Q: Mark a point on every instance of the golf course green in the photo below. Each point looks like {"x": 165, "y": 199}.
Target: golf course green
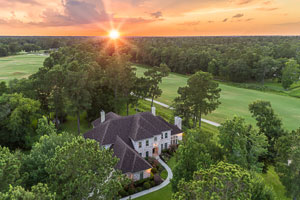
{"x": 235, "y": 101}
{"x": 20, "y": 66}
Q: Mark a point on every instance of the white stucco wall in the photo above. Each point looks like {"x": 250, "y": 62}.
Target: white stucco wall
{"x": 152, "y": 144}
{"x": 136, "y": 176}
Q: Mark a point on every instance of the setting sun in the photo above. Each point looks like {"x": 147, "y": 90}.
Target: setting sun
{"x": 114, "y": 34}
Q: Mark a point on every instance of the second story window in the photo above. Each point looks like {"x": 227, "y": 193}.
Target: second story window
{"x": 147, "y": 142}
{"x": 155, "y": 138}
{"x": 166, "y": 135}
{"x": 140, "y": 144}
{"x": 162, "y": 136}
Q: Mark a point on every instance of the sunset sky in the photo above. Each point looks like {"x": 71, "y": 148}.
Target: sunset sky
{"x": 150, "y": 17}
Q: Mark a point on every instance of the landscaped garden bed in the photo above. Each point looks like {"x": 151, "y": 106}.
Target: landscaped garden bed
{"x": 147, "y": 183}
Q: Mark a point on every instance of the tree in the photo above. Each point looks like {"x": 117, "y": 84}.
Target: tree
{"x": 34, "y": 164}
{"x": 288, "y": 162}
{"x": 242, "y": 145}
{"x": 9, "y": 169}
{"x": 154, "y": 76}
{"x": 56, "y": 80}
{"x": 290, "y": 73}
{"x": 221, "y": 181}
{"x": 140, "y": 90}
{"x": 198, "y": 151}
{"x": 264, "y": 68}
{"x": 199, "y": 97}
{"x": 120, "y": 78}
{"x": 17, "y": 128}
{"x": 80, "y": 169}
{"x": 45, "y": 127}
{"x": 38, "y": 192}
{"x": 224, "y": 181}
{"x": 269, "y": 124}
{"x": 3, "y": 88}
{"x": 238, "y": 70}
{"x": 76, "y": 88}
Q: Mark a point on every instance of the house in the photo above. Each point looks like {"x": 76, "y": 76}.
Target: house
{"x": 135, "y": 137}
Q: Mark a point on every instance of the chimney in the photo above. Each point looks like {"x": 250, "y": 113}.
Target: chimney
{"x": 153, "y": 110}
{"x": 178, "y": 122}
{"x": 102, "y": 116}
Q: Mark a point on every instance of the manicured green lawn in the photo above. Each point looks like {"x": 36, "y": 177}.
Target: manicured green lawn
{"x": 20, "y": 66}
{"x": 235, "y": 101}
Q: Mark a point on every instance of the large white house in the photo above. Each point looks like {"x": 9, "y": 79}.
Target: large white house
{"x": 135, "y": 137}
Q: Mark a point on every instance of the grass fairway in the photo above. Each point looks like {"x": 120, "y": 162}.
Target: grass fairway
{"x": 20, "y": 66}
{"x": 235, "y": 101}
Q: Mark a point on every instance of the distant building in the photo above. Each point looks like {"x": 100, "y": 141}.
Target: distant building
{"x": 135, "y": 137}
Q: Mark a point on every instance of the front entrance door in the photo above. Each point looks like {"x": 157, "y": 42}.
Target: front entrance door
{"x": 155, "y": 151}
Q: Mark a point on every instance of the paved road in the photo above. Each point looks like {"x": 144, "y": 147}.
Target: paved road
{"x": 163, "y": 184}
{"x": 167, "y": 106}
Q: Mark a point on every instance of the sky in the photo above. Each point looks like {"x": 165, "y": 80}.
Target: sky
{"x": 149, "y": 17}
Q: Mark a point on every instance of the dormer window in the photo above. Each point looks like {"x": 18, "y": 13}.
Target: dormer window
{"x": 140, "y": 144}
{"x": 166, "y": 135}
{"x": 147, "y": 142}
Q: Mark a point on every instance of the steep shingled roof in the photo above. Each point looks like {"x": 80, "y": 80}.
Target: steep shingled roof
{"x": 136, "y": 127}
{"x": 130, "y": 160}
{"x": 118, "y": 131}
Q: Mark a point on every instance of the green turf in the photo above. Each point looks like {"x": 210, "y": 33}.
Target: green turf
{"x": 20, "y": 66}
{"x": 235, "y": 101}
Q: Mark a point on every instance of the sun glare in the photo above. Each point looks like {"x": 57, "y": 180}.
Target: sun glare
{"x": 114, "y": 34}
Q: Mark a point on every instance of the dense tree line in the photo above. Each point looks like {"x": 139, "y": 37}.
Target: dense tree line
{"x": 13, "y": 45}
{"x": 237, "y": 59}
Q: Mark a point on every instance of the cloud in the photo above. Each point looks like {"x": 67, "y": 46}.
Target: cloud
{"x": 289, "y": 24}
{"x": 225, "y": 20}
{"x": 76, "y": 12}
{"x": 267, "y": 9}
{"x": 238, "y": 16}
{"x": 210, "y": 22}
{"x": 249, "y": 19}
{"x": 157, "y": 14}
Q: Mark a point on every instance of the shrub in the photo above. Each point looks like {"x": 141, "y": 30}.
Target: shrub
{"x": 152, "y": 183}
{"x": 146, "y": 185}
{"x": 154, "y": 170}
{"x": 123, "y": 193}
{"x": 138, "y": 189}
{"x": 131, "y": 190}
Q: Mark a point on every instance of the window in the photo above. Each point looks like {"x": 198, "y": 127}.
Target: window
{"x": 147, "y": 154}
{"x": 162, "y": 146}
{"x": 140, "y": 144}
{"x": 166, "y": 145}
{"x": 162, "y": 136}
{"x": 147, "y": 142}
{"x": 140, "y": 154}
{"x": 141, "y": 175}
{"x": 166, "y": 135}
{"x": 174, "y": 140}
{"x": 155, "y": 138}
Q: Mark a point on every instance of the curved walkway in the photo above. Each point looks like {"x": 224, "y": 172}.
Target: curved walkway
{"x": 167, "y": 106}
{"x": 163, "y": 184}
